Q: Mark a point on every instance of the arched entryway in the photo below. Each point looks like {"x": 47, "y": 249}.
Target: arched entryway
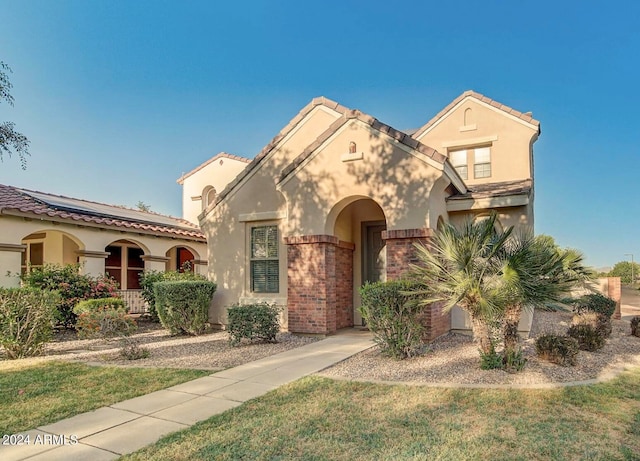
{"x": 49, "y": 247}
{"x": 361, "y": 221}
{"x": 124, "y": 263}
{"x": 181, "y": 259}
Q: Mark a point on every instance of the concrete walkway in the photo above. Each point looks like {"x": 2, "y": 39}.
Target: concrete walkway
{"x": 124, "y": 427}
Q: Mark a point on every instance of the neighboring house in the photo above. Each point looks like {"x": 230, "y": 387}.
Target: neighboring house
{"x": 37, "y": 228}
{"x": 339, "y": 198}
{"x": 202, "y": 184}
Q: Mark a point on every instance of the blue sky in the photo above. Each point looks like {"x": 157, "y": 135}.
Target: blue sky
{"x": 119, "y": 98}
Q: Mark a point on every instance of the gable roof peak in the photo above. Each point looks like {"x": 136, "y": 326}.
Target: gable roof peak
{"x": 219, "y": 155}
{"x": 524, "y": 116}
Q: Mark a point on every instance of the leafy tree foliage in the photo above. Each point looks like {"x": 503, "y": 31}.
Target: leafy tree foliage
{"x": 623, "y": 270}
{"x": 11, "y": 141}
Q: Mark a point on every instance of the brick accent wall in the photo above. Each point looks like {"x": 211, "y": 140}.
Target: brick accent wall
{"x": 401, "y": 252}
{"x": 344, "y": 285}
{"x": 400, "y": 249}
{"x": 320, "y": 281}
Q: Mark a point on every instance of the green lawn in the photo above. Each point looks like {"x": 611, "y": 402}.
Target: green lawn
{"x": 321, "y": 419}
{"x": 34, "y": 395}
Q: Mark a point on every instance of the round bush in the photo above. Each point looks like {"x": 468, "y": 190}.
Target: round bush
{"x": 183, "y": 306}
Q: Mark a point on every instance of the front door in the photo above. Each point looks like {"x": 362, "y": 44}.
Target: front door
{"x": 375, "y": 254}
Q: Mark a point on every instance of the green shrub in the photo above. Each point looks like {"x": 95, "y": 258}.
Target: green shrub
{"x": 253, "y": 321}
{"x": 562, "y": 350}
{"x": 596, "y": 303}
{"x": 103, "y": 318}
{"x": 513, "y": 361}
{"x": 72, "y": 286}
{"x": 183, "y": 306}
{"x": 89, "y": 305}
{"x": 392, "y": 315}
{"x": 149, "y": 278}
{"x": 491, "y": 360}
{"x": 589, "y": 339}
{"x": 26, "y": 320}
{"x": 635, "y": 326}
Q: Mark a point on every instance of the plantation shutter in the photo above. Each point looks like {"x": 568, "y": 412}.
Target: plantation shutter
{"x": 264, "y": 270}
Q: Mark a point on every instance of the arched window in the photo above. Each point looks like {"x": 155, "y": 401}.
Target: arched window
{"x": 208, "y": 196}
{"x": 468, "y": 117}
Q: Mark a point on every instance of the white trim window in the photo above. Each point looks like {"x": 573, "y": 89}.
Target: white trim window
{"x": 482, "y": 162}
{"x": 458, "y": 159}
{"x": 264, "y": 262}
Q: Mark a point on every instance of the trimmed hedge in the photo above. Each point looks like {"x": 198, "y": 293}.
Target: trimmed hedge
{"x": 183, "y": 306}
{"x": 253, "y": 321}
{"x": 26, "y": 320}
{"x": 391, "y": 313}
{"x": 90, "y": 305}
{"x": 149, "y": 278}
{"x": 562, "y": 350}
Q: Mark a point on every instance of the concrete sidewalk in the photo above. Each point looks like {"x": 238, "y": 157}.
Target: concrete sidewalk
{"x": 124, "y": 427}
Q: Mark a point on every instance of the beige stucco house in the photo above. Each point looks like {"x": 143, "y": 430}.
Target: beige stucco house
{"x": 338, "y": 198}
{"x": 38, "y": 228}
{"x": 201, "y": 185}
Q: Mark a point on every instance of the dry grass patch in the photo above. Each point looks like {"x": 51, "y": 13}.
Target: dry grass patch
{"x": 317, "y": 419}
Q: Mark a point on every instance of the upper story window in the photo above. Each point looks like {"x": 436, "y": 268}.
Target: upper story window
{"x": 265, "y": 264}
{"x": 482, "y": 162}
{"x": 480, "y": 157}
{"x": 208, "y": 196}
{"x": 458, "y": 159}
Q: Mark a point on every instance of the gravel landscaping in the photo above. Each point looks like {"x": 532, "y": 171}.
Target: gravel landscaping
{"x": 210, "y": 351}
{"x": 451, "y": 359}
{"x": 454, "y": 359}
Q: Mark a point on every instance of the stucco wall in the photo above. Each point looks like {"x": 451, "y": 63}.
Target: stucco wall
{"x": 64, "y": 240}
{"x": 510, "y": 139}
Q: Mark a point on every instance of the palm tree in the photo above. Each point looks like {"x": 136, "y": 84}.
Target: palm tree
{"x": 460, "y": 267}
{"x": 534, "y": 273}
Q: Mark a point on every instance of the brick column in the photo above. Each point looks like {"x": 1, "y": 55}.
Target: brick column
{"x": 401, "y": 252}
{"x": 316, "y": 295}
{"x": 614, "y": 292}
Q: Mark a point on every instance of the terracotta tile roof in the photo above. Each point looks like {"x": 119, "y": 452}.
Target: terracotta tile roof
{"x": 527, "y": 117}
{"x": 23, "y": 202}
{"x": 347, "y": 114}
{"x": 496, "y": 189}
{"x": 374, "y": 123}
{"x": 181, "y": 179}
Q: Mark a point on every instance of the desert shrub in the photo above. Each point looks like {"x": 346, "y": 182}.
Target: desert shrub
{"x": 149, "y": 278}
{"x": 253, "y": 321}
{"x": 391, "y": 313}
{"x": 513, "y": 361}
{"x": 491, "y": 360}
{"x": 599, "y": 322}
{"x": 635, "y": 326}
{"x": 26, "y": 320}
{"x": 596, "y": 303}
{"x": 589, "y": 339}
{"x": 562, "y": 350}
{"x": 183, "y": 306}
{"x": 72, "y": 286}
{"x": 103, "y": 318}
{"x": 131, "y": 350}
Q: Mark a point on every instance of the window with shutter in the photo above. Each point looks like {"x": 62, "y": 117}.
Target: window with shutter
{"x": 265, "y": 273}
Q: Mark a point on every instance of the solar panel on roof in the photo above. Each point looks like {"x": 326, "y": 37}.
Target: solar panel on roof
{"x": 105, "y": 211}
